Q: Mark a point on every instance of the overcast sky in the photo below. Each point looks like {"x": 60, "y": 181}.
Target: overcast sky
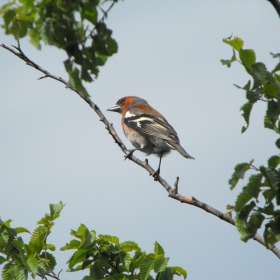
{"x": 53, "y": 146}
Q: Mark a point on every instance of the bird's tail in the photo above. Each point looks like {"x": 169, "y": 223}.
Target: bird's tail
{"x": 181, "y": 150}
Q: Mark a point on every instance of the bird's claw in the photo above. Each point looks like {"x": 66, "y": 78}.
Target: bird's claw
{"x": 129, "y": 154}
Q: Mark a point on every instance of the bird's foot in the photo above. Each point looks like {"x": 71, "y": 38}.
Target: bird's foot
{"x": 156, "y": 175}
{"x": 129, "y": 154}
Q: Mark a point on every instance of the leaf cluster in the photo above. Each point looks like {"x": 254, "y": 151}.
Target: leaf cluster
{"x": 106, "y": 258}
{"x": 71, "y": 25}
{"x": 264, "y": 185}
{"x": 32, "y": 258}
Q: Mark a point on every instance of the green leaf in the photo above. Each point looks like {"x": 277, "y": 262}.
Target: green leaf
{"x": 96, "y": 271}
{"x": 76, "y": 83}
{"x": 125, "y": 260}
{"x": 109, "y": 238}
{"x": 56, "y": 210}
{"x": 21, "y": 230}
{"x": 273, "y": 162}
{"x": 253, "y": 186}
{"x": 246, "y": 108}
{"x": 90, "y": 11}
{"x": 50, "y": 247}
{"x": 145, "y": 267}
{"x": 270, "y": 90}
{"x": 277, "y": 68}
{"x": 277, "y": 77}
{"x": 2, "y": 260}
{"x": 268, "y": 123}
{"x": 78, "y": 257}
{"x": 179, "y": 271}
{"x": 167, "y": 274}
{"x": 35, "y": 38}
{"x": 255, "y": 222}
{"x": 239, "y": 172}
{"x": 129, "y": 246}
{"x": 259, "y": 73}
{"x": 272, "y": 111}
{"x": 74, "y": 244}
{"x": 241, "y": 221}
{"x": 32, "y": 264}
{"x": 241, "y": 200}
{"x": 160, "y": 263}
{"x": 158, "y": 250}
{"x": 248, "y": 57}
{"x": 37, "y": 240}
{"x": 268, "y": 210}
{"x": 253, "y": 96}
{"x": 236, "y": 42}
{"x": 277, "y": 143}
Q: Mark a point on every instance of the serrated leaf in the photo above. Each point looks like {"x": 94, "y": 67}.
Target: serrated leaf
{"x": 78, "y": 257}
{"x": 253, "y": 186}
{"x": 246, "y": 108}
{"x": 270, "y": 90}
{"x": 241, "y": 200}
{"x": 239, "y": 172}
{"x": 158, "y": 250}
{"x": 109, "y": 238}
{"x": 146, "y": 266}
{"x": 236, "y": 42}
{"x": 241, "y": 221}
{"x": 32, "y": 264}
{"x": 248, "y": 57}
{"x": 129, "y": 246}
{"x": 253, "y": 95}
{"x": 268, "y": 210}
{"x": 73, "y": 244}
{"x": 268, "y": 123}
{"x": 273, "y": 162}
{"x": 37, "y": 240}
{"x": 96, "y": 271}
{"x": 125, "y": 260}
{"x": 255, "y": 222}
{"x": 56, "y": 210}
{"x": 179, "y": 271}
{"x": 277, "y": 143}
{"x": 160, "y": 263}
{"x": 258, "y": 71}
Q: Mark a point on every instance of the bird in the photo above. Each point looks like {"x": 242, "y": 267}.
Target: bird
{"x": 147, "y": 129}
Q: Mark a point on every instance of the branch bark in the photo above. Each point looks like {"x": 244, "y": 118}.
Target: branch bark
{"x": 172, "y": 192}
{"x": 276, "y": 5}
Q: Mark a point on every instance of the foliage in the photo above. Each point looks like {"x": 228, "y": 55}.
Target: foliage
{"x": 32, "y": 258}
{"x": 264, "y": 185}
{"x": 106, "y": 258}
{"x": 103, "y": 256}
{"x": 70, "y": 25}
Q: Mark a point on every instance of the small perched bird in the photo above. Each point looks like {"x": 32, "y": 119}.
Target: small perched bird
{"x": 147, "y": 129}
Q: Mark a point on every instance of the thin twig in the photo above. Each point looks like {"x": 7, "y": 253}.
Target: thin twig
{"x": 173, "y": 193}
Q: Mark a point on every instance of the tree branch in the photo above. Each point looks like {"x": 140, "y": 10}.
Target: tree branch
{"x": 173, "y": 193}
{"x": 276, "y": 5}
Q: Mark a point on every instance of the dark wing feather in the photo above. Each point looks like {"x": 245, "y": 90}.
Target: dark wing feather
{"x": 148, "y": 125}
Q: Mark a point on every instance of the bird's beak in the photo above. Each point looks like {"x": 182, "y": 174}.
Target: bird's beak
{"x": 115, "y": 108}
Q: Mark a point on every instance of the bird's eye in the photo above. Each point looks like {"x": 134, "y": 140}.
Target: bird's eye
{"x": 123, "y": 99}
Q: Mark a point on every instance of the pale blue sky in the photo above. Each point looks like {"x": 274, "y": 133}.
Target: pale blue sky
{"x": 53, "y": 146}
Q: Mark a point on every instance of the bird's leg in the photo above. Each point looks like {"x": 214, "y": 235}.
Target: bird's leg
{"x": 130, "y": 153}
{"x": 156, "y": 174}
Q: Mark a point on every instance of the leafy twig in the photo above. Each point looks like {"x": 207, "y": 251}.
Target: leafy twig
{"x": 173, "y": 193}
